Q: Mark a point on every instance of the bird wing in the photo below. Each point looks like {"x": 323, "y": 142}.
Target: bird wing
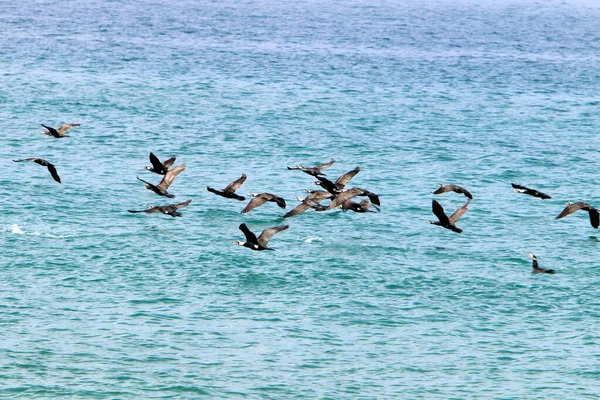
{"x": 268, "y": 233}
{"x": 594, "y": 218}
{"x": 167, "y": 164}
{"x": 444, "y": 189}
{"x": 570, "y": 209}
{"x": 156, "y": 164}
{"x": 318, "y": 195}
{"x": 279, "y": 200}
{"x": 373, "y": 198}
{"x": 327, "y": 184}
{"x": 170, "y": 176}
{"x": 326, "y": 165}
{"x": 53, "y": 172}
{"x": 65, "y": 127}
{"x": 181, "y": 205}
{"x": 515, "y": 186}
{"x": 146, "y": 182}
{"x": 438, "y": 210}
{"x": 299, "y": 209}
{"x": 153, "y": 209}
{"x": 533, "y": 257}
{"x": 345, "y": 178}
{"x": 459, "y": 213}
{"x": 250, "y": 236}
{"x": 341, "y": 198}
{"x": 52, "y": 131}
{"x": 255, "y": 202}
{"x": 235, "y": 185}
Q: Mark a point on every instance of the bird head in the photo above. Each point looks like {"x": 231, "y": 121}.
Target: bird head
{"x": 238, "y": 242}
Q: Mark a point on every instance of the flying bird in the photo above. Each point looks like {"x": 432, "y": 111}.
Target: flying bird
{"x": 531, "y": 192}
{"x": 60, "y": 132}
{"x": 310, "y": 201}
{"x": 337, "y": 186}
{"x": 260, "y": 243}
{"x": 362, "y": 207}
{"x": 343, "y": 196}
{"x": 572, "y": 207}
{"x": 444, "y": 220}
{"x": 536, "y": 268}
{"x": 452, "y": 188}
{"x": 161, "y": 188}
{"x": 314, "y": 171}
{"x": 169, "y": 210}
{"x": 229, "y": 191}
{"x": 262, "y": 198}
{"x": 158, "y": 167}
{"x": 44, "y": 163}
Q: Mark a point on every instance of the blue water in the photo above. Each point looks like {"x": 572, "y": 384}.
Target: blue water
{"x": 96, "y": 302}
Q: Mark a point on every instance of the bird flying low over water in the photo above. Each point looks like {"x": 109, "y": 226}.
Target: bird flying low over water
{"x": 310, "y": 201}
{"x": 362, "y": 207}
{"x": 444, "y": 220}
{"x": 314, "y": 171}
{"x": 161, "y": 188}
{"x": 60, "y": 132}
{"x": 531, "y": 192}
{"x": 452, "y": 188}
{"x": 229, "y": 191}
{"x": 44, "y": 163}
{"x": 262, "y": 198}
{"x": 572, "y": 207}
{"x": 337, "y": 186}
{"x": 536, "y": 268}
{"x": 260, "y": 243}
{"x": 345, "y": 195}
{"x": 158, "y": 167}
{"x": 169, "y": 210}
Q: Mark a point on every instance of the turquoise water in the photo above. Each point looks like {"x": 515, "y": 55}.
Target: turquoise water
{"x": 96, "y": 302}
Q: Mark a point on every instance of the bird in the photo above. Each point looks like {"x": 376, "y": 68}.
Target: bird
{"x": 229, "y": 191}
{"x": 161, "y": 188}
{"x": 44, "y": 163}
{"x": 339, "y": 184}
{"x": 343, "y": 196}
{"x": 60, "y": 132}
{"x": 260, "y": 243}
{"x": 453, "y": 188}
{"x": 444, "y": 220}
{"x": 314, "y": 171}
{"x": 572, "y": 207}
{"x": 361, "y": 207}
{"x": 310, "y": 201}
{"x": 531, "y": 192}
{"x": 158, "y": 167}
{"x": 536, "y": 268}
{"x": 169, "y": 210}
{"x": 261, "y": 198}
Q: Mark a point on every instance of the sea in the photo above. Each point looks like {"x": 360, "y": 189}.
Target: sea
{"x": 100, "y": 303}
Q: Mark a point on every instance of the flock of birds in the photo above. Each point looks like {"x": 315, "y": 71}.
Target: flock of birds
{"x": 334, "y": 191}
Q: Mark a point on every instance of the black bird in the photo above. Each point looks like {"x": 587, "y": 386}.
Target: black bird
{"x": 531, "y": 192}
{"x": 260, "y": 243}
{"x": 262, "y": 198}
{"x": 161, "y": 188}
{"x": 169, "y": 210}
{"x": 361, "y": 207}
{"x": 158, "y": 167}
{"x": 58, "y": 133}
{"x": 346, "y": 195}
{"x": 310, "y": 201}
{"x": 229, "y": 191}
{"x": 572, "y": 207}
{"x": 536, "y": 268}
{"x": 444, "y": 220}
{"x": 337, "y": 186}
{"x": 452, "y": 188}
{"x": 314, "y": 171}
{"x": 44, "y": 163}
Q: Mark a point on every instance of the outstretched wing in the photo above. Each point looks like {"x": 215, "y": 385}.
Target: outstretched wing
{"x": 250, "y": 236}
{"x": 345, "y": 178}
{"x": 181, "y": 205}
{"x": 53, "y": 172}
{"x": 326, "y": 165}
{"x": 341, "y": 198}
{"x": 515, "y": 186}
{"x": 150, "y": 210}
{"x": 327, "y": 184}
{"x": 594, "y": 218}
{"x": 459, "y": 213}
{"x": 156, "y": 164}
{"x": 52, "y": 131}
{"x": 235, "y": 185}
{"x": 255, "y": 202}
{"x": 299, "y": 209}
{"x": 570, "y": 209}
{"x": 438, "y": 210}
{"x": 65, "y": 127}
{"x": 170, "y": 176}
{"x": 167, "y": 164}
{"x": 268, "y": 233}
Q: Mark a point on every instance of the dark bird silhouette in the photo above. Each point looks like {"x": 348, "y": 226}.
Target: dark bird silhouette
{"x": 363, "y": 206}
{"x": 169, "y": 210}
{"x": 229, "y": 191}
{"x": 444, "y": 220}
{"x": 453, "y": 188}
{"x": 60, "y": 132}
{"x": 260, "y": 243}
{"x": 536, "y": 268}
{"x": 161, "y": 188}
{"x": 262, "y": 198}
{"x": 337, "y": 186}
{"x": 341, "y": 197}
{"x": 531, "y": 192}
{"x": 158, "y": 167}
{"x": 310, "y": 201}
{"x": 572, "y": 207}
{"x": 314, "y": 171}
{"x": 44, "y": 163}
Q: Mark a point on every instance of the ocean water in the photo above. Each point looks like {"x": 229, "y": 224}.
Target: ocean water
{"x": 96, "y": 302}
